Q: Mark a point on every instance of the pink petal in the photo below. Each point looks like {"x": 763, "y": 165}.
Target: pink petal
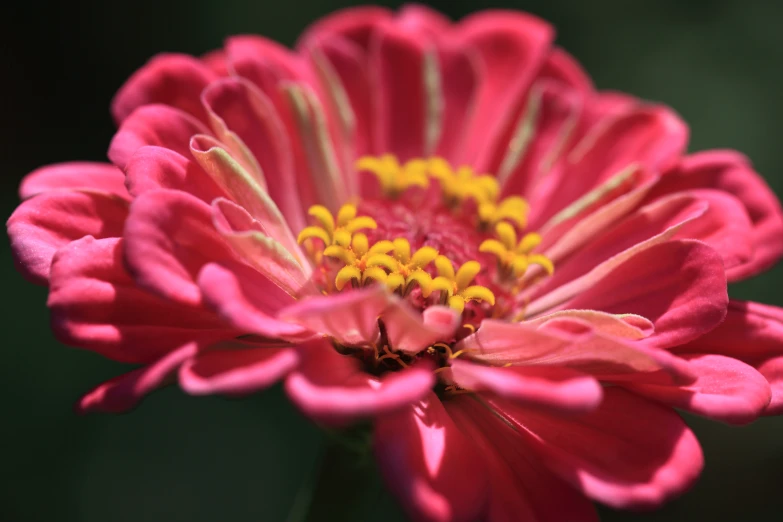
{"x": 152, "y": 168}
{"x": 772, "y": 370}
{"x": 96, "y": 305}
{"x": 238, "y": 108}
{"x": 653, "y": 138}
{"x": 551, "y": 110}
{"x": 628, "y": 453}
{"x": 680, "y": 286}
{"x": 398, "y": 62}
{"x": 331, "y": 388}
{"x": 154, "y": 125}
{"x": 460, "y": 80}
{"x": 126, "y": 391}
{"x": 680, "y": 215}
{"x": 565, "y": 69}
{"x": 351, "y": 317}
{"x": 355, "y": 24}
{"x": 547, "y": 387}
{"x": 423, "y": 19}
{"x": 291, "y": 271}
{"x": 170, "y": 79}
{"x": 626, "y": 326}
{"x": 49, "y": 221}
{"x": 77, "y": 175}
{"x": 240, "y": 371}
{"x": 505, "y": 41}
{"x": 726, "y": 390}
{"x": 411, "y": 332}
{"x": 574, "y": 343}
{"x": 169, "y": 237}
{"x": 247, "y": 300}
{"x": 521, "y": 488}
{"x": 752, "y": 333}
{"x": 731, "y": 172}
{"x": 264, "y": 62}
{"x": 434, "y": 470}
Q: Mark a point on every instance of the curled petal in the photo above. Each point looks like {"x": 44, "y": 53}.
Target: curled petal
{"x": 77, "y": 175}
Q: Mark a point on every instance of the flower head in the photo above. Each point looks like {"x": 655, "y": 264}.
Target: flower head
{"x": 514, "y": 276}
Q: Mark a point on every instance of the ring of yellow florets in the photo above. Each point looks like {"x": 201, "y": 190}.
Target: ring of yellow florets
{"x": 348, "y": 253}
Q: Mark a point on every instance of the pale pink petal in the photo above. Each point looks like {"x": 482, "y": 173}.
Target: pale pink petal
{"x": 49, "y": 221}
{"x": 332, "y": 388}
{"x": 159, "y": 125}
{"x": 170, "y": 79}
{"x": 96, "y": 305}
{"x": 290, "y": 270}
{"x": 628, "y": 453}
{"x": 236, "y": 370}
{"x": 77, "y": 175}
{"x": 247, "y": 300}
{"x": 237, "y": 108}
{"x": 726, "y": 389}
{"x": 626, "y": 326}
{"x": 351, "y": 317}
{"x": 521, "y": 488}
{"x": 411, "y": 332}
{"x": 430, "y": 465}
{"x": 547, "y": 387}
{"x": 126, "y": 391}
{"x": 169, "y": 236}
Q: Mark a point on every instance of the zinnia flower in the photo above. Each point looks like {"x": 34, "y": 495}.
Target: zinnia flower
{"x": 439, "y": 227}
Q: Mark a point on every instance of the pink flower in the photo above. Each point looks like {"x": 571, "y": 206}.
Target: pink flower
{"x": 323, "y": 216}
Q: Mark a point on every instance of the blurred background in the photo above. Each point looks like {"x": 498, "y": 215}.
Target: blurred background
{"x": 179, "y": 458}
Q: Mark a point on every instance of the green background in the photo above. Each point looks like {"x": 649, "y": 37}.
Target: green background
{"x": 179, "y": 458}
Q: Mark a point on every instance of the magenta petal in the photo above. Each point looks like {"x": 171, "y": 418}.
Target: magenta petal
{"x": 679, "y": 285}
{"x": 505, "y": 41}
{"x": 170, "y": 79}
{"x": 521, "y": 488}
{"x": 564, "y": 69}
{"x": 434, "y": 470}
{"x": 247, "y": 300}
{"x": 331, "y": 388}
{"x": 356, "y": 24}
{"x": 398, "y": 61}
{"x": 548, "y": 387}
{"x": 77, "y": 175}
{"x": 628, "y": 453}
{"x": 169, "y": 236}
{"x": 726, "y": 389}
{"x": 126, "y": 391}
{"x": 49, "y": 221}
{"x": 159, "y": 125}
{"x": 96, "y": 305}
{"x": 411, "y": 332}
{"x": 350, "y": 317}
{"x": 238, "y": 371}
{"x": 772, "y": 370}
{"x": 154, "y": 167}
{"x": 729, "y": 171}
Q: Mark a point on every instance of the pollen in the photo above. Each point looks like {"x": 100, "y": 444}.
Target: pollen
{"x": 393, "y": 177}
{"x": 514, "y": 257}
{"x": 337, "y": 231}
{"x": 455, "y": 287}
{"x": 463, "y": 184}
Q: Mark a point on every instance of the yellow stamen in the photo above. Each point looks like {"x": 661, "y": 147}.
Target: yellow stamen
{"x": 514, "y": 257}
{"x": 340, "y": 234}
{"x": 393, "y": 177}
{"x": 455, "y": 286}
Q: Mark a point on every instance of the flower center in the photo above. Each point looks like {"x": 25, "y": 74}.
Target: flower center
{"x": 434, "y": 236}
